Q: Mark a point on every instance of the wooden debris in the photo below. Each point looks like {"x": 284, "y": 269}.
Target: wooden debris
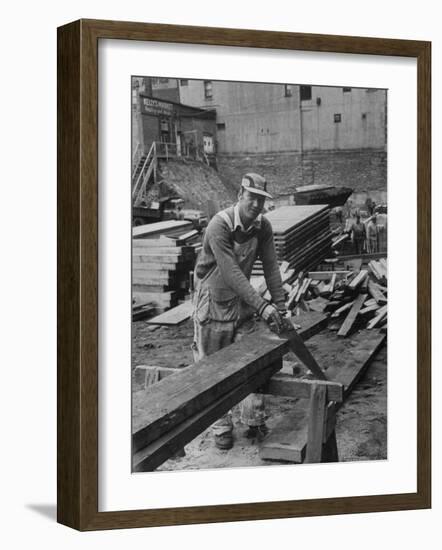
{"x": 351, "y": 317}
{"x": 376, "y": 293}
{"x": 358, "y": 279}
{"x": 342, "y": 309}
{"x": 381, "y": 315}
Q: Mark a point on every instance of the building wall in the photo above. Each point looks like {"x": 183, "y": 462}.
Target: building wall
{"x": 362, "y": 170}
{"x": 362, "y": 114}
{"x": 150, "y": 124}
{"x": 260, "y": 118}
{"x": 250, "y": 118}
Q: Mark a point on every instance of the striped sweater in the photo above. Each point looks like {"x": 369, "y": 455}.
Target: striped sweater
{"x": 218, "y": 250}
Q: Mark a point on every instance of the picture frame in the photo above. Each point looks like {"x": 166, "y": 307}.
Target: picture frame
{"x": 78, "y": 280}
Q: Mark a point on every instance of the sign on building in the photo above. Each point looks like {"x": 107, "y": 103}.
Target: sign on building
{"x": 155, "y": 107}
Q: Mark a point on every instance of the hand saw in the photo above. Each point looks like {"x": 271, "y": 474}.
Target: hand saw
{"x": 298, "y": 347}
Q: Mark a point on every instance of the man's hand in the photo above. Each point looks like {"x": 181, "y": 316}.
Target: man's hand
{"x": 274, "y": 317}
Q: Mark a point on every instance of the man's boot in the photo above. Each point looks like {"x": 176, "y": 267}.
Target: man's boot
{"x": 223, "y": 433}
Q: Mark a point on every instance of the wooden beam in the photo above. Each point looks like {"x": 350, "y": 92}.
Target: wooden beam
{"x": 161, "y": 407}
{"x": 342, "y": 309}
{"x": 286, "y": 385}
{"x": 316, "y": 423}
{"x": 360, "y": 277}
{"x": 364, "y": 257}
{"x": 287, "y": 441}
{"x": 380, "y": 316}
{"x": 352, "y": 315}
{"x": 327, "y": 275}
{"x": 151, "y": 456}
{"x": 376, "y": 293}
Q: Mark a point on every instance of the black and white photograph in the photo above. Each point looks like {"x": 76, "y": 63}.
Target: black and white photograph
{"x": 259, "y": 274}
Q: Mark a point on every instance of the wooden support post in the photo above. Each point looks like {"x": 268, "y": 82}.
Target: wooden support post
{"x": 330, "y": 449}
{"x": 316, "y": 423}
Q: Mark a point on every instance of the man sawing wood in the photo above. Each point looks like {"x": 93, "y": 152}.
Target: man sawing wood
{"x": 233, "y": 240}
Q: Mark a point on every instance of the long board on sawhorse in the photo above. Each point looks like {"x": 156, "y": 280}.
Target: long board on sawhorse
{"x": 288, "y": 440}
{"x": 179, "y": 397}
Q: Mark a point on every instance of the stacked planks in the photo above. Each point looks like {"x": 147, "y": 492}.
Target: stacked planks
{"x": 161, "y": 265}
{"x": 169, "y": 228}
{"x": 302, "y": 235}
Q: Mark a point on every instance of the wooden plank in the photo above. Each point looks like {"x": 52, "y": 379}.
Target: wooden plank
{"x": 143, "y": 312}
{"x": 288, "y": 439}
{"x": 283, "y": 267}
{"x": 286, "y": 218}
{"x": 286, "y": 385}
{"x": 363, "y": 257}
{"x": 153, "y": 455}
{"x": 332, "y": 283}
{"x": 352, "y": 315}
{"x": 318, "y": 304}
{"x": 376, "y": 293}
{"x": 157, "y": 265}
{"x": 316, "y": 424}
{"x": 179, "y": 396}
{"x": 358, "y": 280}
{"x": 190, "y": 390}
{"x": 327, "y": 275}
{"x": 380, "y": 316}
{"x": 342, "y": 309}
{"x": 158, "y": 228}
{"x": 369, "y": 309}
{"x": 174, "y": 316}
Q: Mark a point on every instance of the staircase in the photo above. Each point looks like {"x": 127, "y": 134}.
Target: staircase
{"x": 144, "y": 173}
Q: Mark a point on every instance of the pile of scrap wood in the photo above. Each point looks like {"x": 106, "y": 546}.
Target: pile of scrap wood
{"x": 302, "y": 235}
{"x": 353, "y": 298}
{"x": 161, "y": 266}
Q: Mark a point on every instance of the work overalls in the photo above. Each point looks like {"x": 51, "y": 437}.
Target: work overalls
{"x": 218, "y": 313}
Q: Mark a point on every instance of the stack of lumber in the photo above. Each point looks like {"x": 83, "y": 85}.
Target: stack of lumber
{"x": 302, "y": 235}
{"x": 162, "y": 267}
{"x": 169, "y": 228}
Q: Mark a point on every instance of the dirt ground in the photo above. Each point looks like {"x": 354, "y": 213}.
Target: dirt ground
{"x": 361, "y": 428}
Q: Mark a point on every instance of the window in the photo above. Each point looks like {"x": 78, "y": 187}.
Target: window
{"x": 345, "y": 90}
{"x": 184, "y": 82}
{"x": 337, "y": 117}
{"x": 288, "y": 92}
{"x": 306, "y": 93}
{"x": 208, "y": 91}
{"x": 221, "y": 126}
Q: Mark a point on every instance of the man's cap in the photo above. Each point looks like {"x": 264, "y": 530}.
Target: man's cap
{"x": 254, "y": 183}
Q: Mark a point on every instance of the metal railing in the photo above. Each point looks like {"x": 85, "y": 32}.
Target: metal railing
{"x": 166, "y": 150}
{"x": 136, "y": 157}
{"x": 148, "y": 169}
